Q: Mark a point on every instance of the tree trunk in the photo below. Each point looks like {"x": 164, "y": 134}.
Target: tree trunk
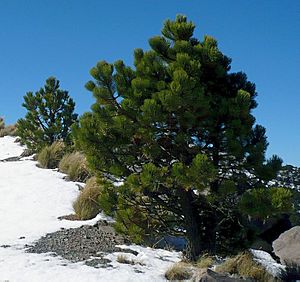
{"x": 195, "y": 244}
{"x": 199, "y": 229}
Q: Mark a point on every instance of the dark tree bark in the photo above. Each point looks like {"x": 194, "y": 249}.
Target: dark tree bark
{"x": 200, "y": 232}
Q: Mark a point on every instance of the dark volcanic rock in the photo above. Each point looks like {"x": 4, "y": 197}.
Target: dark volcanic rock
{"x": 207, "y": 275}
{"x": 5, "y": 246}
{"x": 11, "y": 159}
{"x": 27, "y": 153}
{"x": 78, "y": 244}
{"x": 99, "y": 262}
{"x": 69, "y": 217}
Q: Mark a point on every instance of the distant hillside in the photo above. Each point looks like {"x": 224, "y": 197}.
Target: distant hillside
{"x": 289, "y": 176}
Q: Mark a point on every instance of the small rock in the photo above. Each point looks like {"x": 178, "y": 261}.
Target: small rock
{"x": 138, "y": 271}
{"x": 27, "y": 153}
{"x": 207, "y": 275}
{"x": 97, "y": 263}
{"x": 11, "y": 159}
{"x": 69, "y": 217}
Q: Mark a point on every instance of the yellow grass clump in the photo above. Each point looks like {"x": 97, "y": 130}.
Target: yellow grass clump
{"x": 245, "y": 266}
{"x": 205, "y": 261}
{"x": 86, "y": 206}
{"x": 50, "y": 156}
{"x": 179, "y": 271}
{"x": 75, "y": 166}
{"x": 9, "y": 130}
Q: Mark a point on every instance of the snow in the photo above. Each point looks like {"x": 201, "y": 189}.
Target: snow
{"x": 268, "y": 262}
{"x": 31, "y": 201}
{"x": 8, "y": 148}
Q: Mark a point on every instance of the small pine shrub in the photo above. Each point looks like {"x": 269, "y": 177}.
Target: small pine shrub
{"x": 75, "y": 166}
{"x": 179, "y": 271}
{"x": 86, "y": 206}
{"x": 245, "y": 266}
{"x": 50, "y": 156}
{"x": 49, "y": 117}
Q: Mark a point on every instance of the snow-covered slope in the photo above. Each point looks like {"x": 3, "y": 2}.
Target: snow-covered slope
{"x": 31, "y": 199}
{"x": 8, "y": 148}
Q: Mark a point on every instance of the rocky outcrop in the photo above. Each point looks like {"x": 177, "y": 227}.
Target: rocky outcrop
{"x": 287, "y": 246}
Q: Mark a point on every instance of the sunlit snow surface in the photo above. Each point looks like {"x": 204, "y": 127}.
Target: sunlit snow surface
{"x": 31, "y": 199}
{"x": 8, "y": 148}
{"x": 268, "y": 262}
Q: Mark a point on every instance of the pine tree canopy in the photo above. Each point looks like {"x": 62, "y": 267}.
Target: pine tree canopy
{"x": 178, "y": 130}
{"x": 50, "y": 114}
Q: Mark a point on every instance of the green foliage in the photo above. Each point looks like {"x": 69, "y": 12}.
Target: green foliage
{"x": 295, "y": 217}
{"x": 178, "y": 130}
{"x": 75, "y": 166}
{"x": 50, "y": 156}
{"x": 196, "y": 176}
{"x": 227, "y": 187}
{"x": 49, "y": 116}
{"x": 263, "y": 203}
{"x": 108, "y": 198}
{"x": 126, "y": 225}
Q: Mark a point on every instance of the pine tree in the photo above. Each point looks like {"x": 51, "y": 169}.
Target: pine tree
{"x": 178, "y": 130}
{"x": 50, "y": 114}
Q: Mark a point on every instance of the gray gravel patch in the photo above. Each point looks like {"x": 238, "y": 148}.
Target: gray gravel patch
{"x": 86, "y": 243}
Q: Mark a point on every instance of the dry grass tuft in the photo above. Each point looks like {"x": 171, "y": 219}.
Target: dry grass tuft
{"x": 9, "y": 130}
{"x": 179, "y": 271}
{"x": 75, "y": 166}
{"x": 244, "y": 265}
{"x": 86, "y": 206}
{"x": 2, "y": 123}
{"x": 125, "y": 260}
{"x": 205, "y": 262}
{"x": 50, "y": 156}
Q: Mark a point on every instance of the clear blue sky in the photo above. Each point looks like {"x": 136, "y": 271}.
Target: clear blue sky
{"x": 66, "y": 38}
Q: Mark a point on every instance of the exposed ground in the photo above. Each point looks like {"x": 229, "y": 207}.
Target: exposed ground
{"x": 82, "y": 243}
